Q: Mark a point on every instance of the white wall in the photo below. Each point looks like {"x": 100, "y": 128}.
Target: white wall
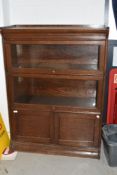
{"x": 112, "y": 26}
{"x": 57, "y": 12}
{"x": 112, "y": 32}
{"x": 6, "y": 12}
{"x": 1, "y": 13}
{"x": 3, "y": 96}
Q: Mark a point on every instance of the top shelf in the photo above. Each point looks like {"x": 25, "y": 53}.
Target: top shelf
{"x": 57, "y": 28}
{"x": 54, "y": 26}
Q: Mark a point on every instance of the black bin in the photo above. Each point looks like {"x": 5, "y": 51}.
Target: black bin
{"x": 109, "y": 134}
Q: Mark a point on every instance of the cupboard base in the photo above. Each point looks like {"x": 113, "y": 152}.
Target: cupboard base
{"x": 56, "y": 150}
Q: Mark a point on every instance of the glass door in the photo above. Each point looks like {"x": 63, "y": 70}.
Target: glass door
{"x": 83, "y": 93}
{"x": 58, "y": 58}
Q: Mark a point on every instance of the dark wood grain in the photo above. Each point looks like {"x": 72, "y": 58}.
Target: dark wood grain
{"x": 34, "y": 126}
{"x": 78, "y": 129}
{"x": 55, "y": 84}
{"x": 91, "y": 152}
{"x": 55, "y": 87}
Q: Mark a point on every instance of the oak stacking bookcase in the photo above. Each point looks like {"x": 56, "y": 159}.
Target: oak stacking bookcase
{"x": 55, "y": 77}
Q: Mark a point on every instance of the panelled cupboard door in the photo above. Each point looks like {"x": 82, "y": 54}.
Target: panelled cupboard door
{"x": 78, "y": 129}
{"x": 33, "y": 126}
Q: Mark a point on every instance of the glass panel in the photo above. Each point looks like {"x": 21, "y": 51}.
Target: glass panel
{"x": 59, "y": 57}
{"x": 80, "y": 93}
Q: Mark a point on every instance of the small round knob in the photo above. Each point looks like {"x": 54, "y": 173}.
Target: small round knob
{"x": 97, "y": 116}
{"x": 53, "y": 71}
{"x": 15, "y": 111}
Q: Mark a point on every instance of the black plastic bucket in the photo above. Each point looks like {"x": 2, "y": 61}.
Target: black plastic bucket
{"x": 109, "y": 134}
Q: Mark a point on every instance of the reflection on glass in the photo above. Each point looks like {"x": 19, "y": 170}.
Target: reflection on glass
{"x": 59, "y": 57}
{"x": 81, "y": 93}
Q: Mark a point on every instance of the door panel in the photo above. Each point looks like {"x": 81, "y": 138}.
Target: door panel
{"x": 77, "y": 129}
{"x": 33, "y": 126}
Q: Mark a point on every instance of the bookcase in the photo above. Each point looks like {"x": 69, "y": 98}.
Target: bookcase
{"x": 55, "y": 79}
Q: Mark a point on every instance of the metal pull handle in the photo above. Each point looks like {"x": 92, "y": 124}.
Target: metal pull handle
{"x": 15, "y": 111}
